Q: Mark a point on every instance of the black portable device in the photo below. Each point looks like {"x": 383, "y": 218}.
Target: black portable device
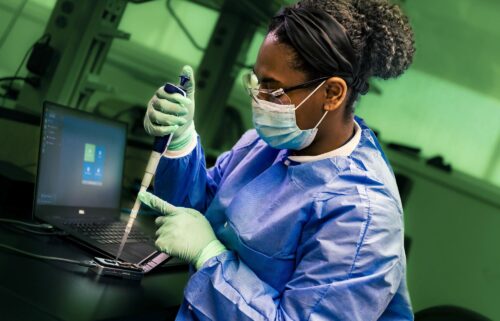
{"x": 111, "y": 267}
{"x": 78, "y": 187}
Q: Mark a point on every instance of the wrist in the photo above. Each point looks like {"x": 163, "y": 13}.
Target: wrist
{"x": 180, "y": 141}
{"x": 212, "y": 249}
{"x": 185, "y": 151}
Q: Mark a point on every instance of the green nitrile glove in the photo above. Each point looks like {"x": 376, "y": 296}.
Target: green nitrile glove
{"x": 183, "y": 232}
{"x": 173, "y": 113}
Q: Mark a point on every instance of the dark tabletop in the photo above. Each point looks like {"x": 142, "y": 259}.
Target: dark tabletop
{"x": 32, "y": 289}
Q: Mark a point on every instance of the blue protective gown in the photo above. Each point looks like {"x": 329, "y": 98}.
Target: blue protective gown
{"x": 306, "y": 241}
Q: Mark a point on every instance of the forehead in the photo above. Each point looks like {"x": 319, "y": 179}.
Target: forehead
{"x": 275, "y": 61}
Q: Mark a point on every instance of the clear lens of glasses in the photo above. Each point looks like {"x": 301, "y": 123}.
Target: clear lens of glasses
{"x": 252, "y": 85}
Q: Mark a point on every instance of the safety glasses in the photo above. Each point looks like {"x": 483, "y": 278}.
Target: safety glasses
{"x": 277, "y": 96}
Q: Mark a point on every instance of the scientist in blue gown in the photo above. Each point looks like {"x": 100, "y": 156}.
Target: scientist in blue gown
{"x": 301, "y": 219}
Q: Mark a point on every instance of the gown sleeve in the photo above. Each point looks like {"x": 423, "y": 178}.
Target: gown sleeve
{"x": 349, "y": 265}
{"x": 185, "y": 181}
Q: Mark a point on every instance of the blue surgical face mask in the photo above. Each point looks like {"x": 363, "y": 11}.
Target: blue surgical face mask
{"x": 277, "y": 126}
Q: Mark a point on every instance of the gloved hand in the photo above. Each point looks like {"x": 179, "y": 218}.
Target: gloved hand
{"x": 173, "y": 114}
{"x": 183, "y": 232}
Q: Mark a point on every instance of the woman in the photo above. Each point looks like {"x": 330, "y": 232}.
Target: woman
{"x": 302, "y": 219}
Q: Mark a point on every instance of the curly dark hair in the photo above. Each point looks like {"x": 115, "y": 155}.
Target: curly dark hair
{"x": 380, "y": 35}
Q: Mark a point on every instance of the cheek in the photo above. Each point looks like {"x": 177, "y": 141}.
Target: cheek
{"x": 302, "y": 117}
{"x": 308, "y": 114}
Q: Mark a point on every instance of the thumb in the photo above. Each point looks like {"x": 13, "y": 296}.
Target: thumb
{"x": 189, "y": 86}
{"x": 156, "y": 203}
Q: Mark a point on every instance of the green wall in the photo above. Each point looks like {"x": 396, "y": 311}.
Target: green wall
{"x": 29, "y": 27}
{"x": 448, "y": 103}
{"x": 452, "y": 221}
{"x": 440, "y": 117}
{"x": 152, "y": 26}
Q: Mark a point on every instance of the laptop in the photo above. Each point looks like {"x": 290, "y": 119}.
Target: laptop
{"x": 79, "y": 182}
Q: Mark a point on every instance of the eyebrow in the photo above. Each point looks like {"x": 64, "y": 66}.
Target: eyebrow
{"x": 267, "y": 79}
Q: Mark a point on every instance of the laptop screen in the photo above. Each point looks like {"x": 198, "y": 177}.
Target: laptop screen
{"x": 81, "y": 160}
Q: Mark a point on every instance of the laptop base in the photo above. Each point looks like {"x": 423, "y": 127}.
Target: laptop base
{"x": 110, "y": 267}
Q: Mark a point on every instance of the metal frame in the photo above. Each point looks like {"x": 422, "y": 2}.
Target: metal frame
{"x": 81, "y": 34}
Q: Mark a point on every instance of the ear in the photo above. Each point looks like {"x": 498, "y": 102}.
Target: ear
{"x": 335, "y": 93}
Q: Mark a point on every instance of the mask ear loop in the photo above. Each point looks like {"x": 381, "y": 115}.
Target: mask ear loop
{"x": 323, "y": 117}
{"x": 305, "y": 99}
{"x": 309, "y": 96}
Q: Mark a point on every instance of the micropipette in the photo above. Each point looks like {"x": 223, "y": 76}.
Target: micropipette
{"x": 160, "y": 146}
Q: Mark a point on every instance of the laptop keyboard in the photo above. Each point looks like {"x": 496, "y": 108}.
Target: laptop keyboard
{"x": 109, "y": 233}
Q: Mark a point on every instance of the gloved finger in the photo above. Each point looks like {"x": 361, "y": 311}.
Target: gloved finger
{"x": 159, "y": 220}
{"x": 168, "y": 107}
{"x": 160, "y": 118}
{"x": 165, "y": 230}
{"x": 163, "y": 221}
{"x": 189, "y": 86}
{"x": 163, "y": 246}
{"x": 157, "y": 203}
{"x": 158, "y": 130}
{"x": 177, "y": 98}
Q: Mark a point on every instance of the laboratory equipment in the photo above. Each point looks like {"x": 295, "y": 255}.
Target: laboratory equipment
{"x": 160, "y": 145}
